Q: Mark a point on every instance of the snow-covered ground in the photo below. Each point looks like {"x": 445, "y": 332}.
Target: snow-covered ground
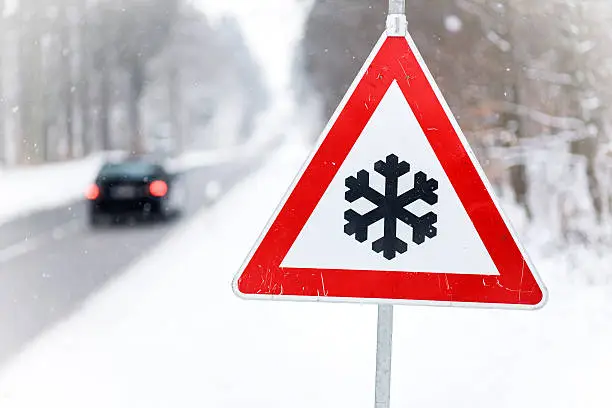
{"x": 170, "y": 332}
{"x": 33, "y": 188}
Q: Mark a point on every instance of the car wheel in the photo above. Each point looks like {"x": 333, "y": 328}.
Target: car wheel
{"x": 178, "y": 197}
{"x": 164, "y": 212}
{"x": 95, "y": 219}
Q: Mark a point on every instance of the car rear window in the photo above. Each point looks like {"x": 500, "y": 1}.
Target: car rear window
{"x": 131, "y": 169}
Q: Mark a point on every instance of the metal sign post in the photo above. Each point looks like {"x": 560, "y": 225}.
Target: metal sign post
{"x": 396, "y": 26}
{"x": 396, "y": 19}
{"x": 384, "y": 345}
{"x": 397, "y": 6}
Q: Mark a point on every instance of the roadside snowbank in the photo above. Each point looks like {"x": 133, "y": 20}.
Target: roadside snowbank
{"x": 171, "y": 333}
{"x": 212, "y": 157}
{"x": 34, "y": 188}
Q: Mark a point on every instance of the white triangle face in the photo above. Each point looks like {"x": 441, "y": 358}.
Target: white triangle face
{"x": 456, "y": 247}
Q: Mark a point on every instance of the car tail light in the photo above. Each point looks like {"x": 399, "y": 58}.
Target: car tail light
{"x": 158, "y": 188}
{"x": 93, "y": 192}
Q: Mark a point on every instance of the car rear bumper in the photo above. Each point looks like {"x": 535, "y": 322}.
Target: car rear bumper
{"x": 140, "y": 206}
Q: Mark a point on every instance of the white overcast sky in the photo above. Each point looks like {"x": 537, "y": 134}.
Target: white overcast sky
{"x": 9, "y": 6}
{"x": 272, "y": 29}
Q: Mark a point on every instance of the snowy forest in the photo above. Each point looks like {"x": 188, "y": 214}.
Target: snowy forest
{"x": 81, "y": 76}
{"x": 529, "y": 82}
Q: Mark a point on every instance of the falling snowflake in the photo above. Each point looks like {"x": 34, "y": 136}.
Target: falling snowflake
{"x": 453, "y": 23}
{"x": 391, "y": 206}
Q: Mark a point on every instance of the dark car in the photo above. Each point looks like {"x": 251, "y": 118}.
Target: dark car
{"x": 135, "y": 187}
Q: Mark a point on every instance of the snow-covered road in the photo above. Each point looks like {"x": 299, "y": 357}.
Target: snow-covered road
{"x": 171, "y": 333}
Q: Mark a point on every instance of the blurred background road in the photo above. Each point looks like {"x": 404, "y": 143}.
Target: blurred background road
{"x": 154, "y": 77}
{"x": 52, "y": 260}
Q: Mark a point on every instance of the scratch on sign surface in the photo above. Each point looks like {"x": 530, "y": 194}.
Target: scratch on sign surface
{"x": 405, "y": 73}
{"x": 323, "y": 284}
{"x": 499, "y": 284}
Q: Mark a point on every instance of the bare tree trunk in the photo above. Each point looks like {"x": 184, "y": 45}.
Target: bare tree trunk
{"x": 105, "y": 103}
{"x": 174, "y": 106}
{"x": 31, "y": 104}
{"x": 84, "y": 72}
{"x": 587, "y": 147}
{"x": 136, "y": 87}
{"x": 102, "y": 60}
{"x": 518, "y": 172}
{"x": 3, "y": 157}
{"x": 175, "y": 93}
{"x": 67, "y": 82}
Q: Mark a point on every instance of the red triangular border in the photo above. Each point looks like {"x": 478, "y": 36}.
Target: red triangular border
{"x": 517, "y": 283}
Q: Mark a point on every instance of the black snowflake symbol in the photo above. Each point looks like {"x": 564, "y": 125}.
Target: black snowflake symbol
{"x": 391, "y": 207}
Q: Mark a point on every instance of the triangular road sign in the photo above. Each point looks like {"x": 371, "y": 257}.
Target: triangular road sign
{"x": 392, "y": 206}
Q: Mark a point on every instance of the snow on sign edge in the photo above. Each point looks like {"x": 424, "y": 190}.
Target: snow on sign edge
{"x": 475, "y": 163}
